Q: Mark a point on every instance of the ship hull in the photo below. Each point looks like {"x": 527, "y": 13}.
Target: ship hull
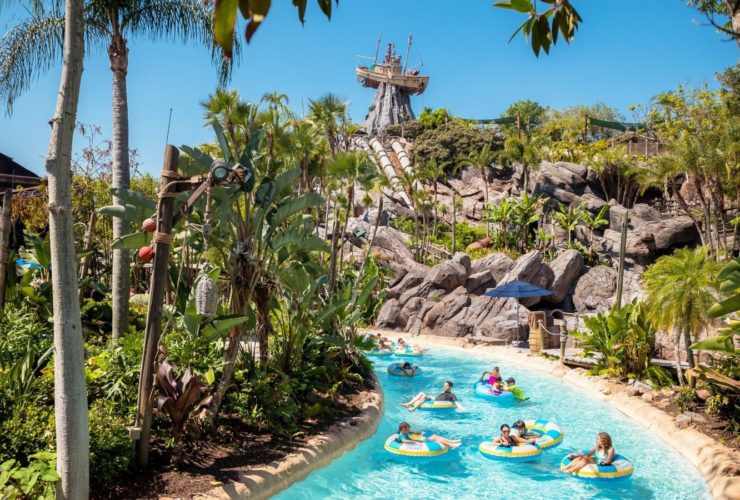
{"x": 409, "y": 83}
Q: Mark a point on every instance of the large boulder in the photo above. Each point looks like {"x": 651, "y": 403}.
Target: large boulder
{"x": 530, "y": 268}
{"x": 437, "y": 320}
{"x": 566, "y": 268}
{"x": 388, "y": 314}
{"x": 482, "y": 310}
{"x": 672, "y": 232}
{"x": 463, "y": 259}
{"x": 409, "y": 281}
{"x": 594, "y": 290}
{"x": 510, "y": 324}
{"x": 409, "y": 309}
{"x": 640, "y": 247}
{"x": 479, "y": 282}
{"x": 447, "y": 275}
{"x": 562, "y": 175}
{"x": 497, "y": 263}
{"x": 420, "y": 290}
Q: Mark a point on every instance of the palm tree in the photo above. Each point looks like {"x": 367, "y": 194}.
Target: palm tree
{"x": 680, "y": 289}
{"x": 33, "y": 46}
{"x": 482, "y": 160}
{"x": 432, "y": 172}
{"x": 350, "y": 168}
{"x": 567, "y": 218}
{"x": 330, "y": 114}
{"x": 238, "y": 118}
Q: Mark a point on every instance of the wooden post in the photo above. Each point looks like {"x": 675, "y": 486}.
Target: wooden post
{"x": 622, "y": 250}
{"x": 85, "y": 262}
{"x": 162, "y": 241}
{"x": 5, "y": 228}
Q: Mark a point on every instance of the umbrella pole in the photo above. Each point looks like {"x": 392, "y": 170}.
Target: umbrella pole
{"x": 518, "y": 331}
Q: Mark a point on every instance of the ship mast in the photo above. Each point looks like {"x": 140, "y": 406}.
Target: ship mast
{"x": 406, "y": 60}
{"x": 377, "y": 48}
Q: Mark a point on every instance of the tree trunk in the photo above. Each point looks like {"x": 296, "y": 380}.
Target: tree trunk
{"x": 375, "y": 232}
{"x": 118, "y": 55}
{"x": 689, "y": 352}
{"x": 677, "y": 354}
{"x": 5, "y": 228}
{"x": 87, "y": 259}
{"x": 484, "y": 172}
{"x": 687, "y": 210}
{"x": 454, "y": 224}
{"x": 733, "y": 10}
{"x": 70, "y": 398}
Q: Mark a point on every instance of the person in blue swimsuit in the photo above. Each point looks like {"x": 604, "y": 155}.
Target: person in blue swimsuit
{"x": 603, "y": 450}
{"x": 406, "y": 435}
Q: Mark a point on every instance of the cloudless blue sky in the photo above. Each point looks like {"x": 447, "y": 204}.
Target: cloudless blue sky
{"x": 625, "y": 52}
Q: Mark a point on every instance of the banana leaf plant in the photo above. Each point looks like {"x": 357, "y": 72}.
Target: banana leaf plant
{"x": 729, "y": 287}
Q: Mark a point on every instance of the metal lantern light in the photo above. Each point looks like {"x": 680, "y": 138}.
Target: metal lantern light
{"x": 206, "y": 297}
{"x": 220, "y": 171}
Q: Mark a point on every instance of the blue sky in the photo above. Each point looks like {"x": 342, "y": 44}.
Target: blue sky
{"x": 625, "y": 52}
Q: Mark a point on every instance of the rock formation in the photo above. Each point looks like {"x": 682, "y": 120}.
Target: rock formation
{"x": 390, "y": 106}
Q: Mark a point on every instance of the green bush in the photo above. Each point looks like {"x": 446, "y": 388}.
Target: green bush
{"x": 111, "y": 450}
{"x": 685, "y": 399}
{"x": 36, "y": 481}
{"x": 28, "y": 429}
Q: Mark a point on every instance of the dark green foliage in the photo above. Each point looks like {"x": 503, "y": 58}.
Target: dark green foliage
{"x": 451, "y": 141}
{"x": 26, "y": 429}
{"x": 111, "y": 450}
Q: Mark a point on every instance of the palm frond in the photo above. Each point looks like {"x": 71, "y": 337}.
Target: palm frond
{"x": 181, "y": 21}
{"x": 27, "y": 51}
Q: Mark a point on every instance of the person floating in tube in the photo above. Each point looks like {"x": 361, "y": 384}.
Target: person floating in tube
{"x": 421, "y": 398}
{"x": 603, "y": 450}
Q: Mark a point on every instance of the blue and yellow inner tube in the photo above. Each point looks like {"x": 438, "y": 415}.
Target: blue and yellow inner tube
{"x": 416, "y": 449}
{"x": 408, "y": 352}
{"x": 485, "y": 391}
{"x": 376, "y": 351}
{"x": 519, "y": 453}
{"x": 396, "y": 370}
{"x": 620, "y": 468}
{"x": 550, "y": 432}
{"x": 438, "y": 405}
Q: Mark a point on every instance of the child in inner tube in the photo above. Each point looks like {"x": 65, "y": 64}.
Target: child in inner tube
{"x": 603, "y": 450}
{"x": 520, "y": 429}
{"x": 509, "y": 439}
{"x": 402, "y": 345}
{"x": 419, "y": 399}
{"x": 515, "y": 390}
{"x": 408, "y": 369}
{"x": 493, "y": 376}
{"x": 406, "y": 435}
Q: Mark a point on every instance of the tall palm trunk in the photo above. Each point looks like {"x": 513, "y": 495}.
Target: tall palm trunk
{"x": 118, "y": 55}
{"x": 484, "y": 172}
{"x": 677, "y": 353}
{"x": 454, "y": 224}
{"x": 70, "y": 398}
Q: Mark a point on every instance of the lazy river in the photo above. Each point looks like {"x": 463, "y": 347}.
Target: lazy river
{"x": 369, "y": 471}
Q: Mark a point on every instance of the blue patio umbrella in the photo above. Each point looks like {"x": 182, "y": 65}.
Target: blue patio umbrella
{"x": 518, "y": 289}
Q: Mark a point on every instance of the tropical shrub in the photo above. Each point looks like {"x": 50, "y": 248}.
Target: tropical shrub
{"x": 622, "y": 341}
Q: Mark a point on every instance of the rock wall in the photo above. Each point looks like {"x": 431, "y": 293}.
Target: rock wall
{"x": 390, "y": 106}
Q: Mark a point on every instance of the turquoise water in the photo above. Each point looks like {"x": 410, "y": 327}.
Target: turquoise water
{"x": 369, "y": 471}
